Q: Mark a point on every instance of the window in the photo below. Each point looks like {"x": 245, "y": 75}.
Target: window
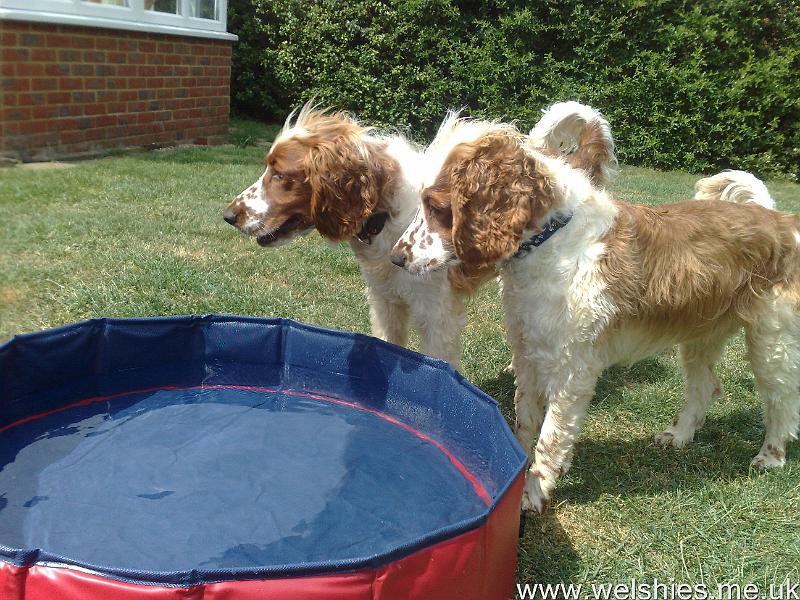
{"x": 203, "y": 18}
{"x": 111, "y": 2}
{"x": 164, "y": 6}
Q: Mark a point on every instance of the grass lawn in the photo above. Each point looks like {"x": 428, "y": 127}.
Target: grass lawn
{"x": 143, "y": 235}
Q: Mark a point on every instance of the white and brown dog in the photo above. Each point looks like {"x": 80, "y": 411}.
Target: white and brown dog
{"x": 588, "y": 282}
{"x": 327, "y": 171}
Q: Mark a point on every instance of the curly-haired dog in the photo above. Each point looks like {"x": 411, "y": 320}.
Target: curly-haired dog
{"x": 590, "y": 282}
{"x": 327, "y": 171}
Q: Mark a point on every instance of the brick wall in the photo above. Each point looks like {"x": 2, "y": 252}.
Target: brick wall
{"x": 69, "y": 91}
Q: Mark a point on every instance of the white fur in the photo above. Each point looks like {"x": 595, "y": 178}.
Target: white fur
{"x": 395, "y": 296}
{"x": 734, "y": 186}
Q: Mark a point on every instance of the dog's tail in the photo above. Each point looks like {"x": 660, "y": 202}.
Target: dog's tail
{"x": 582, "y": 135}
{"x": 734, "y": 186}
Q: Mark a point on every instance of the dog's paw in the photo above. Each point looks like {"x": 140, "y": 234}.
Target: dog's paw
{"x": 672, "y": 439}
{"x": 533, "y": 499}
{"x": 509, "y": 369}
{"x": 769, "y": 458}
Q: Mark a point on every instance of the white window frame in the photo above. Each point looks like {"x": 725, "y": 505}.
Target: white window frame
{"x": 133, "y": 17}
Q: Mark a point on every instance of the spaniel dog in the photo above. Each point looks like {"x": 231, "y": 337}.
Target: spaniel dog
{"x": 589, "y": 281}
{"x": 327, "y": 171}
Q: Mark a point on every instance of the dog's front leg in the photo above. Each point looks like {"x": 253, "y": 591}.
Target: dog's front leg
{"x": 566, "y": 411}
{"x": 440, "y": 328}
{"x": 388, "y": 320}
{"x": 529, "y": 404}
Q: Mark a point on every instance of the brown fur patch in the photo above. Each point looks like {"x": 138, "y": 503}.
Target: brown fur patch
{"x": 328, "y": 174}
{"x": 348, "y": 176}
{"x": 496, "y": 192}
{"x": 691, "y": 268}
{"x": 592, "y": 154}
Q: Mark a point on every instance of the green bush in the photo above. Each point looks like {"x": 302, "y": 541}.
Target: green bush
{"x": 685, "y": 84}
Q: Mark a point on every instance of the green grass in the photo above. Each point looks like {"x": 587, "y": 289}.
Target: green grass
{"x": 245, "y": 132}
{"x": 143, "y": 235}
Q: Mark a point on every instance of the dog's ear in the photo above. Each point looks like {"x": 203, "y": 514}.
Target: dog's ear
{"x": 498, "y": 192}
{"x": 346, "y": 183}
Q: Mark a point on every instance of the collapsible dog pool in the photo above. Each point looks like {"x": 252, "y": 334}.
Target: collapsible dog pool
{"x": 240, "y": 458}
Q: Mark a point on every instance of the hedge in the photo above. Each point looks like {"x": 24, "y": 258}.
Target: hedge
{"x": 691, "y": 85}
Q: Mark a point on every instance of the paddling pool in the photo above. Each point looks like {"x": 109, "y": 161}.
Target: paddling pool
{"x": 242, "y": 458}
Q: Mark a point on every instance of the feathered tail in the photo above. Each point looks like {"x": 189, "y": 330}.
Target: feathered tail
{"x": 734, "y": 186}
{"x": 581, "y": 135}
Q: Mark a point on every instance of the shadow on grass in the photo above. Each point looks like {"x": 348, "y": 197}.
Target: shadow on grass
{"x": 216, "y": 155}
{"x": 629, "y": 466}
{"x": 648, "y": 371}
{"x": 637, "y": 467}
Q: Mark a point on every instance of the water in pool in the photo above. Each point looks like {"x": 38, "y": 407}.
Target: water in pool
{"x": 172, "y": 480}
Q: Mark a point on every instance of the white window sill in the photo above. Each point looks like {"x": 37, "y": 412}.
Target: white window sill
{"x": 37, "y": 16}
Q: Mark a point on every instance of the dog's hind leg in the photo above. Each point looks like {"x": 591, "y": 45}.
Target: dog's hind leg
{"x": 702, "y": 386}
{"x": 773, "y": 343}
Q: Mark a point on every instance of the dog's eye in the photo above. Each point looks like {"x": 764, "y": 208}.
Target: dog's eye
{"x": 277, "y": 176}
{"x": 433, "y": 211}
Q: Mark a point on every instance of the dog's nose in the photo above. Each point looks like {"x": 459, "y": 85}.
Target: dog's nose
{"x": 229, "y": 216}
{"x": 399, "y": 259}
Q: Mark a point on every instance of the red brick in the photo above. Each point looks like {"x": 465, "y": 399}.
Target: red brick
{"x": 8, "y": 38}
{"x": 94, "y": 83}
{"x": 58, "y": 97}
{"x": 45, "y": 112}
{"x": 69, "y": 55}
{"x": 16, "y": 114}
{"x": 81, "y": 41}
{"x": 43, "y": 55}
{"x": 15, "y": 85}
{"x": 33, "y": 127}
{"x": 94, "y": 56}
{"x": 106, "y": 120}
{"x": 68, "y": 83}
{"x": 15, "y": 54}
{"x": 56, "y": 69}
{"x": 59, "y": 41}
{"x": 31, "y": 99}
{"x": 94, "y": 109}
{"x": 67, "y": 124}
{"x": 7, "y": 69}
{"x": 118, "y": 58}
{"x": 105, "y": 43}
{"x": 82, "y": 69}
{"x": 107, "y": 96}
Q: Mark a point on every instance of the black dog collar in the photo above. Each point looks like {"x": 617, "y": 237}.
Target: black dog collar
{"x": 540, "y": 238}
{"x": 372, "y": 227}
